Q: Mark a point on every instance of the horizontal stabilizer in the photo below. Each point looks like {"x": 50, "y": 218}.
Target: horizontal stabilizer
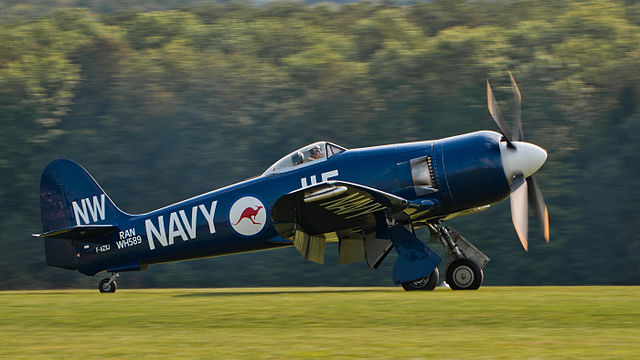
{"x": 91, "y": 233}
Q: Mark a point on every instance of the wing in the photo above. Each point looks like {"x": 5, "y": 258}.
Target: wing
{"x": 352, "y": 214}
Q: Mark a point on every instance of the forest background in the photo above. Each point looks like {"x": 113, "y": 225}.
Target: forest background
{"x": 163, "y": 100}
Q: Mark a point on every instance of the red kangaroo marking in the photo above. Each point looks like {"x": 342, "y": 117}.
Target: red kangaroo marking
{"x": 249, "y": 213}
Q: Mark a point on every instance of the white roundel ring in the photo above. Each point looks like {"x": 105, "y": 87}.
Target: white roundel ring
{"x": 247, "y": 216}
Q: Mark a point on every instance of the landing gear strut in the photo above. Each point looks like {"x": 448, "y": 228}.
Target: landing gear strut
{"x": 108, "y": 285}
{"x": 464, "y": 271}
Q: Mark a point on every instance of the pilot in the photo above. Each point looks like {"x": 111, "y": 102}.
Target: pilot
{"x": 315, "y": 153}
{"x": 296, "y": 158}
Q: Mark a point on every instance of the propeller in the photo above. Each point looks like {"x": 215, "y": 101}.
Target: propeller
{"x": 520, "y": 160}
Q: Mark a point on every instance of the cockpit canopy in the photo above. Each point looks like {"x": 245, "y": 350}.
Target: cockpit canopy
{"x": 318, "y": 151}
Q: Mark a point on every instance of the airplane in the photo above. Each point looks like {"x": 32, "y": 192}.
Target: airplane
{"x": 370, "y": 200}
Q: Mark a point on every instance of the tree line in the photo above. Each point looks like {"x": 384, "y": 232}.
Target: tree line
{"x": 162, "y": 105}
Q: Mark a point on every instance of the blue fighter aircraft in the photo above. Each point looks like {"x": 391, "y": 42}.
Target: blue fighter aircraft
{"x": 369, "y": 200}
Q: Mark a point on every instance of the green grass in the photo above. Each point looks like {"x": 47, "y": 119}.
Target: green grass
{"x": 280, "y": 323}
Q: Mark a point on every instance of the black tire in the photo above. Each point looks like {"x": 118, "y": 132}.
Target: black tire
{"x": 428, "y": 283}
{"x": 105, "y": 287}
{"x": 464, "y": 274}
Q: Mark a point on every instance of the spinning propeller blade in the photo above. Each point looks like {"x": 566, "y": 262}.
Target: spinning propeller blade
{"x": 540, "y": 206}
{"x": 520, "y": 161}
{"x": 519, "y": 211}
{"x": 494, "y": 110}
{"x": 517, "y": 100}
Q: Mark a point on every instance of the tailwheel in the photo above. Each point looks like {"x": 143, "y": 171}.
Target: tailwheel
{"x": 108, "y": 285}
{"x": 464, "y": 274}
{"x": 427, "y": 283}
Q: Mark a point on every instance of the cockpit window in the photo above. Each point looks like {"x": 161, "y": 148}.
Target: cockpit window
{"x": 333, "y": 149}
{"x": 318, "y": 151}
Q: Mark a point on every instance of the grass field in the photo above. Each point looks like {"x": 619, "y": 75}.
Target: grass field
{"x": 280, "y": 323}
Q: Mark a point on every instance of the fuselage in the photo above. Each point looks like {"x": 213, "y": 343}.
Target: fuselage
{"x": 463, "y": 172}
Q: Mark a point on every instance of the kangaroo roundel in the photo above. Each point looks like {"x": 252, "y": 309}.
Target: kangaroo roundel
{"x": 247, "y": 216}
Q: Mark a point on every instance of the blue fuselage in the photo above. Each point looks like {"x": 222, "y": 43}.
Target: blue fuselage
{"x": 466, "y": 172}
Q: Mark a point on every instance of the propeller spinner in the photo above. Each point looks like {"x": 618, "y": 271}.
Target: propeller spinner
{"x": 520, "y": 161}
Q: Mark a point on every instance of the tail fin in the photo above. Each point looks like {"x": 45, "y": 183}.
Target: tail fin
{"x": 70, "y": 198}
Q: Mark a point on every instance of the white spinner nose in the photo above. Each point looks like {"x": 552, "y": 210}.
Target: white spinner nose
{"x": 525, "y": 159}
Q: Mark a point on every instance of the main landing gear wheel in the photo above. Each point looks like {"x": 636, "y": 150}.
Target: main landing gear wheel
{"x": 108, "y": 285}
{"x": 427, "y": 283}
{"x": 464, "y": 274}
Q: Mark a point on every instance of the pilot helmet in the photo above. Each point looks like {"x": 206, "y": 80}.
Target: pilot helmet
{"x": 296, "y": 158}
{"x": 315, "y": 151}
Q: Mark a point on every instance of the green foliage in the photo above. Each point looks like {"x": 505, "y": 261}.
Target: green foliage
{"x": 163, "y": 105}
